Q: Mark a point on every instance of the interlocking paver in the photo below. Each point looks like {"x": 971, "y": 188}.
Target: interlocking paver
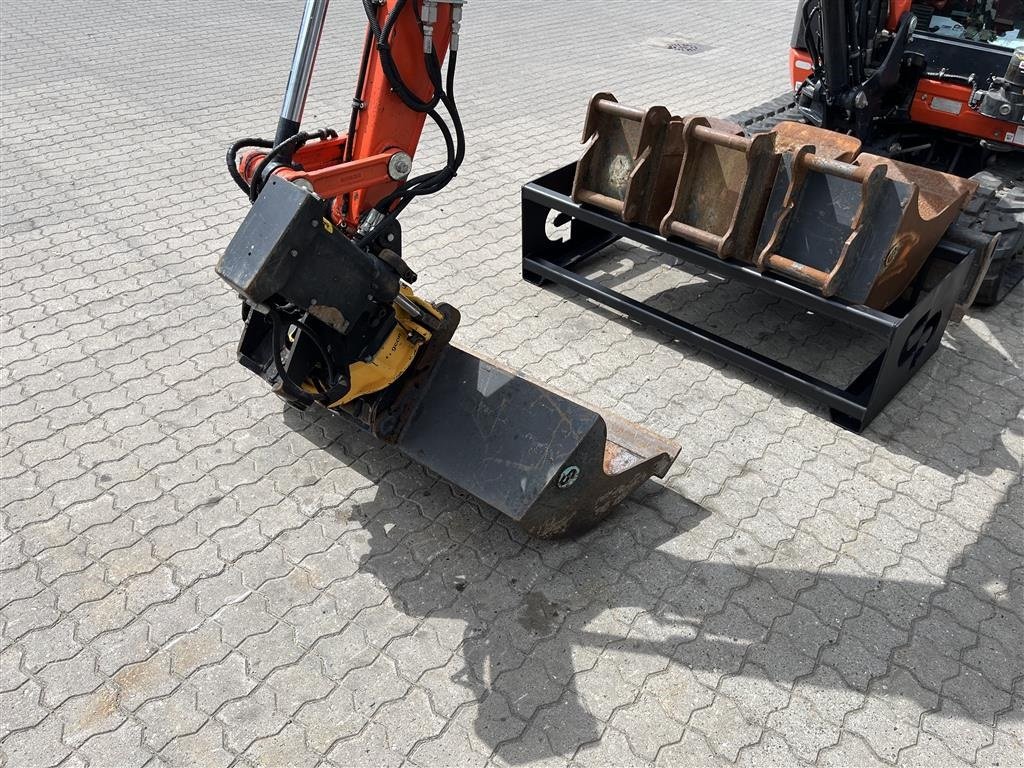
{"x": 191, "y": 576}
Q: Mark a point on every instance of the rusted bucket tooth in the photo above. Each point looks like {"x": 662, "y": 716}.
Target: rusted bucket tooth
{"x": 552, "y": 465}
{"x": 722, "y": 188}
{"x": 631, "y": 164}
{"x": 861, "y": 231}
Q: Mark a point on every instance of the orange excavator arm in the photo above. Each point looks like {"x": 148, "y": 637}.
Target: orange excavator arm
{"x": 400, "y": 85}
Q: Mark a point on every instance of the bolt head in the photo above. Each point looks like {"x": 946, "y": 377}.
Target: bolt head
{"x": 399, "y": 166}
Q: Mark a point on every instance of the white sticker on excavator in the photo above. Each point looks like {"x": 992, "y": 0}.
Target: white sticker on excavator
{"x": 950, "y": 106}
{"x": 1017, "y": 137}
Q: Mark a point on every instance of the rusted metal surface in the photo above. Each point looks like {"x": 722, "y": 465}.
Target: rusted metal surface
{"x": 722, "y": 189}
{"x": 631, "y": 163}
{"x": 603, "y": 171}
{"x": 857, "y": 231}
{"x": 724, "y": 126}
{"x": 829, "y": 145}
{"x": 798, "y": 200}
{"x": 936, "y": 201}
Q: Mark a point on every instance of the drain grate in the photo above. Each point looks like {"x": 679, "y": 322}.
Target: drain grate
{"x": 687, "y": 48}
{"x": 680, "y": 45}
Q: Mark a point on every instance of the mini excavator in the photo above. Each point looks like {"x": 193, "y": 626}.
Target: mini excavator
{"x": 330, "y": 317}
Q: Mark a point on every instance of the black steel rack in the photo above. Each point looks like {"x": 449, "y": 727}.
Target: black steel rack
{"x": 910, "y": 330}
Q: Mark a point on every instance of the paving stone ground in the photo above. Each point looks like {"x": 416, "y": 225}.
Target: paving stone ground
{"x": 192, "y": 576}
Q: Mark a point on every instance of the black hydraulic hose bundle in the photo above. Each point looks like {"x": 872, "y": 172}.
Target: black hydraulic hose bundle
{"x": 809, "y": 11}
{"x": 390, "y": 68}
{"x": 285, "y": 148}
{"x": 427, "y": 183}
{"x": 454, "y": 137}
{"x": 281, "y": 323}
{"x": 232, "y": 159}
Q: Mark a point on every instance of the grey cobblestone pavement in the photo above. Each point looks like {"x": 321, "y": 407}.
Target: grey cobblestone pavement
{"x": 193, "y": 577}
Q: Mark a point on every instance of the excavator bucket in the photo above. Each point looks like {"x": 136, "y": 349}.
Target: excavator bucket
{"x": 859, "y": 231}
{"x": 790, "y": 136}
{"x": 725, "y": 180}
{"x": 631, "y": 163}
{"x": 554, "y": 466}
{"x": 935, "y": 203}
{"x": 798, "y": 200}
{"x": 722, "y": 188}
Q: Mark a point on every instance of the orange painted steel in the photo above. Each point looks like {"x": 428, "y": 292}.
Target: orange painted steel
{"x": 956, "y": 115}
{"x": 797, "y": 73}
{"x": 328, "y": 178}
{"x": 385, "y": 126}
{"x": 964, "y": 120}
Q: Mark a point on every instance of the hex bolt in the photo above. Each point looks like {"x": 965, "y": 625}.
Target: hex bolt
{"x": 399, "y": 166}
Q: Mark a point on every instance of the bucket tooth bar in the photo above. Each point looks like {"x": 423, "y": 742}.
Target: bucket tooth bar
{"x": 860, "y": 232}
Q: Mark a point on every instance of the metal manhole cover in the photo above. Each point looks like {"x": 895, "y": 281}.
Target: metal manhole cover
{"x": 679, "y": 44}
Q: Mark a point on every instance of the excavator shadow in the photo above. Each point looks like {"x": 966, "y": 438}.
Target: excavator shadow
{"x": 944, "y": 418}
{"x": 552, "y": 639}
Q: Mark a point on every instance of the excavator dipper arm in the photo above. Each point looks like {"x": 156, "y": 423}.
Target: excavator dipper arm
{"x": 330, "y": 318}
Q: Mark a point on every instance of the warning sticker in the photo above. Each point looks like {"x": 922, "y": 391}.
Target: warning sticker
{"x": 1018, "y": 137}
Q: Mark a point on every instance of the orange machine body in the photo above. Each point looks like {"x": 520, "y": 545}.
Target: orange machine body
{"x": 936, "y": 103}
{"x": 386, "y": 124}
{"x": 945, "y": 105}
{"x": 896, "y": 10}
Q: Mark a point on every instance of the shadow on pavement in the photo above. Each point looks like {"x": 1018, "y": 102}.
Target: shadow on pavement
{"x": 551, "y": 628}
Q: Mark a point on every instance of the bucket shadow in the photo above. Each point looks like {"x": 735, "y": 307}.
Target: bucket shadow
{"x": 626, "y": 600}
